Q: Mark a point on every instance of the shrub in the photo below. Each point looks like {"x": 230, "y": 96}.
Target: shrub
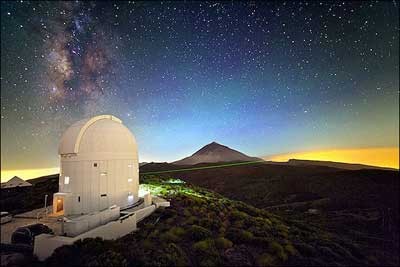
{"x": 205, "y": 246}
{"x": 191, "y": 220}
{"x": 197, "y": 233}
{"x": 187, "y": 213}
{"x": 176, "y": 256}
{"x": 169, "y": 237}
{"x": 154, "y": 234}
{"x": 250, "y": 210}
{"x": 246, "y": 235}
{"x": 108, "y": 258}
{"x": 147, "y": 244}
{"x": 265, "y": 260}
{"x": 223, "y": 243}
{"x": 239, "y": 235}
{"x": 260, "y": 231}
{"x": 277, "y": 249}
{"x": 238, "y": 215}
{"x": 92, "y": 246}
{"x": 59, "y": 255}
{"x": 222, "y": 230}
{"x": 281, "y": 230}
{"x": 238, "y": 224}
{"x": 170, "y": 220}
{"x": 290, "y": 249}
{"x": 208, "y": 223}
{"x": 209, "y": 262}
{"x": 178, "y": 231}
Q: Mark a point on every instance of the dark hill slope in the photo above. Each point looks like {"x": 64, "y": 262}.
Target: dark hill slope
{"x": 266, "y": 185}
{"x": 18, "y": 200}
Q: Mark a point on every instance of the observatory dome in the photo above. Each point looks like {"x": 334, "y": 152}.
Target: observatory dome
{"x": 102, "y": 136}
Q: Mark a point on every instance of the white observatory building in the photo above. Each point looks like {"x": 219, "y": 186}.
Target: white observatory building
{"x": 98, "y": 186}
{"x": 99, "y": 167}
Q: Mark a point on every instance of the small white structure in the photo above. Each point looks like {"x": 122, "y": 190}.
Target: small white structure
{"x": 99, "y": 167}
{"x": 15, "y": 182}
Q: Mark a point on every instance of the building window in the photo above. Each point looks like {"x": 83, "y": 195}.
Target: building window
{"x": 103, "y": 173}
{"x": 94, "y": 164}
{"x": 130, "y": 165}
{"x": 79, "y": 199}
{"x": 130, "y": 180}
{"x": 66, "y": 180}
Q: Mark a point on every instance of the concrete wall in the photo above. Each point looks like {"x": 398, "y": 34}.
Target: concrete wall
{"x": 143, "y": 213}
{"x": 114, "y": 229}
{"x": 147, "y": 200}
{"x": 45, "y": 244}
{"x": 160, "y": 202}
{"x": 85, "y": 223}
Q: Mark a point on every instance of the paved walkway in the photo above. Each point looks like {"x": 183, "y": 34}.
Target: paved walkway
{"x": 29, "y": 217}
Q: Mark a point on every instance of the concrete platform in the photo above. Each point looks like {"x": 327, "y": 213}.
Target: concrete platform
{"x": 45, "y": 244}
{"x": 29, "y": 217}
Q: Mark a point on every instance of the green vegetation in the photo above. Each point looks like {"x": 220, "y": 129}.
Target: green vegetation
{"x": 202, "y": 228}
{"x": 265, "y": 259}
{"x": 198, "y": 233}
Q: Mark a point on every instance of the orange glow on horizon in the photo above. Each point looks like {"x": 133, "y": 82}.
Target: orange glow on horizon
{"x": 26, "y": 174}
{"x": 382, "y": 157}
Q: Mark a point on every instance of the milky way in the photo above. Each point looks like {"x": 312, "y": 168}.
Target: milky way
{"x": 79, "y": 62}
{"x": 261, "y": 77}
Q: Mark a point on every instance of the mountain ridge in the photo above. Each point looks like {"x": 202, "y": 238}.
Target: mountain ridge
{"x": 213, "y": 153}
{"x": 336, "y": 164}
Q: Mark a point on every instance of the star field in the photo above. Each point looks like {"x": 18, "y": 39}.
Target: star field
{"x": 264, "y": 78}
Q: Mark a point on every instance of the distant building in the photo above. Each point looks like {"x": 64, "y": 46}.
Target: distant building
{"x": 99, "y": 167}
{"x": 15, "y": 182}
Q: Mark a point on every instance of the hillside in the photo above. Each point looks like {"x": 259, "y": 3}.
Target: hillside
{"x": 18, "y": 200}
{"x": 264, "y": 184}
{"x": 360, "y": 204}
{"x": 213, "y": 153}
{"x": 202, "y": 228}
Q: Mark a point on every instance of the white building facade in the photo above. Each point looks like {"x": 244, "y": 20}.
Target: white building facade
{"x": 99, "y": 167}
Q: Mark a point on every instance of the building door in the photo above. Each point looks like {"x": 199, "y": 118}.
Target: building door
{"x": 60, "y": 204}
{"x": 103, "y": 176}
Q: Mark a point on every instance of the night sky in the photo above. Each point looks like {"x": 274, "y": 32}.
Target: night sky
{"x": 263, "y": 78}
